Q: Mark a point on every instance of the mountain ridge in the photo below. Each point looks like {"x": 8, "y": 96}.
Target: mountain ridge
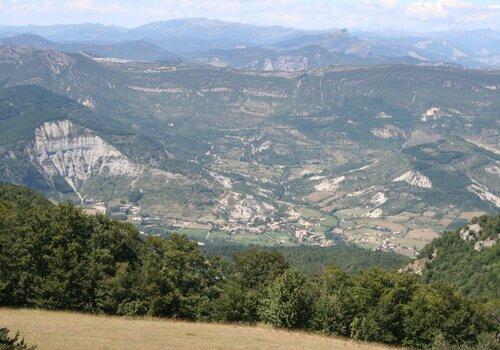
{"x": 472, "y": 49}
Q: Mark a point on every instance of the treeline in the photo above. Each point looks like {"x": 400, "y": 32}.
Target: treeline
{"x": 313, "y": 259}
{"x": 56, "y": 257}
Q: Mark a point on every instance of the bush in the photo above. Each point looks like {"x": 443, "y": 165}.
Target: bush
{"x": 288, "y": 302}
{"x": 437, "y": 311}
{"x": 252, "y": 271}
{"x": 12, "y": 343}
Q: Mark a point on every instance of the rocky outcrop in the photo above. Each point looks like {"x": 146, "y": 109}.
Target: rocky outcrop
{"x": 486, "y": 244}
{"x": 433, "y": 113}
{"x": 470, "y": 232}
{"x": 379, "y": 198}
{"x": 65, "y": 149}
{"x": 286, "y": 63}
{"x": 244, "y": 207}
{"x": 376, "y": 213}
{"x": 388, "y": 132}
{"x": 483, "y": 193}
{"x": 414, "y": 178}
{"x": 418, "y": 266}
{"x": 329, "y": 184}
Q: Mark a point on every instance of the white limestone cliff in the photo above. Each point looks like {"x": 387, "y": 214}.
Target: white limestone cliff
{"x": 414, "y": 178}
{"x": 64, "y": 149}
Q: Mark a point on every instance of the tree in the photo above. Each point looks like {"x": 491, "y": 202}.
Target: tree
{"x": 439, "y": 311}
{"x": 335, "y": 309}
{"x": 288, "y": 301}
{"x": 383, "y": 321}
{"x": 257, "y": 267}
{"x": 253, "y": 270}
{"x": 175, "y": 279}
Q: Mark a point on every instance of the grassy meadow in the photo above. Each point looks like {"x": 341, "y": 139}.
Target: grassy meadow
{"x": 66, "y": 330}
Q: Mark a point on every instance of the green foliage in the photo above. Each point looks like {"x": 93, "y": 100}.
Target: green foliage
{"x": 252, "y": 271}
{"x": 21, "y": 196}
{"x": 12, "y": 343}
{"x": 175, "y": 279}
{"x": 336, "y": 307}
{"x": 475, "y": 273}
{"x": 56, "y": 257}
{"x": 441, "y": 312}
{"x": 135, "y": 195}
{"x": 288, "y": 301}
{"x": 381, "y": 306}
{"x": 257, "y": 267}
{"x": 312, "y": 259}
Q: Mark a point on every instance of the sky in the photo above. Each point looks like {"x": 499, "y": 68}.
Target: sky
{"x": 382, "y": 15}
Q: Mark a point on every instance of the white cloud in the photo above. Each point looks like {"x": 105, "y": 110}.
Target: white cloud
{"x": 448, "y": 11}
{"x": 93, "y": 7}
{"x": 426, "y": 9}
{"x": 389, "y": 3}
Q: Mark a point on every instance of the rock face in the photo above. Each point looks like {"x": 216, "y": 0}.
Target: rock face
{"x": 286, "y": 63}
{"x": 387, "y": 132}
{"x": 470, "y": 232}
{"x": 418, "y": 266}
{"x": 329, "y": 184}
{"x": 414, "y": 178}
{"x": 433, "y": 113}
{"x": 487, "y": 243}
{"x": 64, "y": 149}
{"x": 379, "y": 198}
{"x": 245, "y": 208}
{"x": 483, "y": 193}
{"x": 376, "y": 213}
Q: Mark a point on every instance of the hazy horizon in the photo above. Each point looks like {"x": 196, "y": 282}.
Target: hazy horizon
{"x": 357, "y": 15}
{"x": 360, "y": 30}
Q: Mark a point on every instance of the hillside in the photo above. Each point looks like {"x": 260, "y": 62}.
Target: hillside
{"x": 467, "y": 258}
{"x": 276, "y": 59}
{"x": 137, "y": 50}
{"x": 241, "y": 154}
{"x": 28, "y": 40}
{"x": 56, "y": 257}
{"x": 51, "y": 330}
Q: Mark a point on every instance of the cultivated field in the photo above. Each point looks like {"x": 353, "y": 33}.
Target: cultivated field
{"x": 64, "y": 330}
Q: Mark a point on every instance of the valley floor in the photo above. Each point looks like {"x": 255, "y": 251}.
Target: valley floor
{"x": 65, "y": 330}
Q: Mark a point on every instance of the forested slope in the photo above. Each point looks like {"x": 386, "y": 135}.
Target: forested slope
{"x": 468, "y": 258}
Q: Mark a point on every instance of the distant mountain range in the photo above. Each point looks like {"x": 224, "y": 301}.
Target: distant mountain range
{"x": 264, "y": 47}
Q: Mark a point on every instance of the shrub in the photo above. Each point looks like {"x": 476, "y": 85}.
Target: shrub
{"x": 12, "y": 343}
{"x": 289, "y": 301}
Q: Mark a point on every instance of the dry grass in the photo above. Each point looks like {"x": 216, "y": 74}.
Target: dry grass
{"x": 65, "y": 330}
{"x": 469, "y": 215}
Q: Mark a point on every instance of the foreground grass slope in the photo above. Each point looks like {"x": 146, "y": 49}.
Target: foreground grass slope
{"x": 65, "y": 330}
